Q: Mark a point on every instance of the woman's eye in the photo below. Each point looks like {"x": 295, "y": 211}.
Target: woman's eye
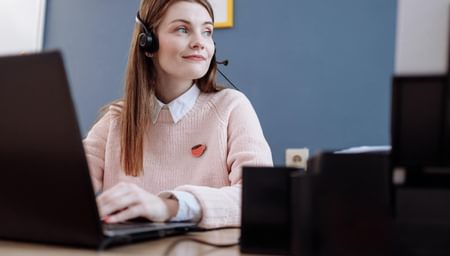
{"x": 207, "y": 32}
{"x": 182, "y": 30}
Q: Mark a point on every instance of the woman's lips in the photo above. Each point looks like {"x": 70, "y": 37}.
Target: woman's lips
{"x": 194, "y": 57}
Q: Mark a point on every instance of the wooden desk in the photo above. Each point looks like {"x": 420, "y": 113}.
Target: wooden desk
{"x": 151, "y": 247}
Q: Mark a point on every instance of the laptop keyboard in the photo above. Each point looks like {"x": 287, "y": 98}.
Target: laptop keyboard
{"x": 127, "y": 228}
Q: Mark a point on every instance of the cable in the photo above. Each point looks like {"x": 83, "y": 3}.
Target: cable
{"x": 228, "y": 80}
{"x": 198, "y": 229}
{"x": 196, "y": 240}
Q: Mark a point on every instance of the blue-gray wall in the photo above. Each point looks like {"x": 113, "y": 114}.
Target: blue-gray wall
{"x": 317, "y": 71}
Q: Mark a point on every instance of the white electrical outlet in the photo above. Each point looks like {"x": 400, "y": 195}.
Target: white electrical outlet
{"x": 297, "y": 157}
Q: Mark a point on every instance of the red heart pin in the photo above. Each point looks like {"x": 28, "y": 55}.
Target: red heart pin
{"x": 198, "y": 150}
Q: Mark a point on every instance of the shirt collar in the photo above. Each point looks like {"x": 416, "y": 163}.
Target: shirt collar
{"x": 178, "y": 107}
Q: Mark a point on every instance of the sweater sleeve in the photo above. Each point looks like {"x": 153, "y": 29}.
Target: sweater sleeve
{"x": 95, "y": 146}
{"x": 246, "y": 147}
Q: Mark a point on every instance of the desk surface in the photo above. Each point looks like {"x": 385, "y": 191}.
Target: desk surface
{"x": 152, "y": 247}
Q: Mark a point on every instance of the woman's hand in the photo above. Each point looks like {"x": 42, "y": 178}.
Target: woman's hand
{"x": 126, "y": 201}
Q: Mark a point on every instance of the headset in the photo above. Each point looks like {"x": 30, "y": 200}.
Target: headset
{"x": 147, "y": 39}
{"x": 148, "y": 42}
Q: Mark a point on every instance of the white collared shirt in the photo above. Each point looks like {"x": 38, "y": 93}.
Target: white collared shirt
{"x": 178, "y": 107}
{"x": 188, "y": 206}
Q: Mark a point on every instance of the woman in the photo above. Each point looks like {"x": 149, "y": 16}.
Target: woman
{"x": 174, "y": 147}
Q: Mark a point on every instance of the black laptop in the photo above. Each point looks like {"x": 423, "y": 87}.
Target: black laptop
{"x": 46, "y": 194}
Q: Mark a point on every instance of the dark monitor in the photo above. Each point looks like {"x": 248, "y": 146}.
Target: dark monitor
{"x": 420, "y": 132}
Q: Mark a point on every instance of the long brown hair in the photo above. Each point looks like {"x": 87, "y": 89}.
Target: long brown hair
{"x": 140, "y": 84}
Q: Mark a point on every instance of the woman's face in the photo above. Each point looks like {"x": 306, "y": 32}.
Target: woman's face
{"x": 186, "y": 46}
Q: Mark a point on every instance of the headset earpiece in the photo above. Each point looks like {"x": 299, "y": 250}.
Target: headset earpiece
{"x": 147, "y": 40}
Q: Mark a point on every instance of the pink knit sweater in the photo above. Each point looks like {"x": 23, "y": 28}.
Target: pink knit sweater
{"x": 224, "y": 121}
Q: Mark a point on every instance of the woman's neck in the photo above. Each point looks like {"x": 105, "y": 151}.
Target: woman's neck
{"x": 166, "y": 90}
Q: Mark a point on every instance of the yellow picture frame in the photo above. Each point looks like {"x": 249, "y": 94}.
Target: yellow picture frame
{"x": 223, "y": 13}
